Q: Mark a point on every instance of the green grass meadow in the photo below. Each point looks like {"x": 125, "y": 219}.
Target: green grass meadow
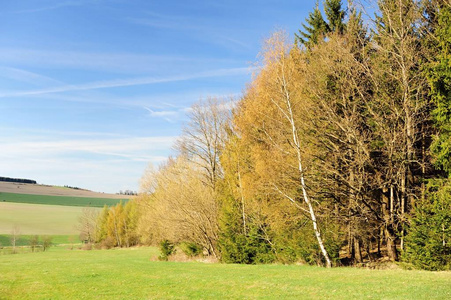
{"x": 39, "y": 219}
{"x": 131, "y": 274}
{"x": 58, "y": 200}
{"x": 61, "y": 273}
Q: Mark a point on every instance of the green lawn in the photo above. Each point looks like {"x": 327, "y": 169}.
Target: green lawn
{"x": 39, "y": 219}
{"x": 130, "y": 274}
{"x": 58, "y": 200}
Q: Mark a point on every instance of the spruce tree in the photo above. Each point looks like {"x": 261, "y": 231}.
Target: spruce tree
{"x": 429, "y": 241}
{"x": 335, "y": 15}
{"x": 317, "y": 27}
{"x": 440, "y": 81}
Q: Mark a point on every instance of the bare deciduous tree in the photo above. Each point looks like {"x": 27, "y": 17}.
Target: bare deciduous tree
{"x": 87, "y": 224}
{"x": 204, "y": 136}
{"x": 15, "y": 236}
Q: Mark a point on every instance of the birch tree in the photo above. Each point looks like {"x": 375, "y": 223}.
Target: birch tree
{"x": 276, "y": 105}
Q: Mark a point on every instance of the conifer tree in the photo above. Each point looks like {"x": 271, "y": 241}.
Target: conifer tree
{"x": 335, "y": 15}
{"x": 429, "y": 241}
{"x": 440, "y": 81}
{"x": 317, "y": 27}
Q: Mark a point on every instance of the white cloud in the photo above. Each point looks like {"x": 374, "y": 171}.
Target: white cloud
{"x": 206, "y": 30}
{"x": 49, "y": 7}
{"x": 168, "y": 115}
{"x": 101, "y": 163}
{"x": 106, "y": 61}
{"x": 26, "y": 76}
{"x": 103, "y": 176}
{"x": 135, "y": 148}
{"x": 129, "y": 82}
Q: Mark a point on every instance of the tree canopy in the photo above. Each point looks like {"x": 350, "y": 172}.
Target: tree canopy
{"x": 337, "y": 153}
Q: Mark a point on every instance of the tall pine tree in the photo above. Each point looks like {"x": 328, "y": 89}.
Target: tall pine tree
{"x": 429, "y": 241}
{"x": 317, "y": 27}
{"x": 440, "y": 80}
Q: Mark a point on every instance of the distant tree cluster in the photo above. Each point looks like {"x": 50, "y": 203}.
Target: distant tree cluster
{"x": 18, "y": 180}
{"x": 35, "y": 242}
{"x": 338, "y": 152}
{"x": 73, "y": 187}
{"x": 113, "y": 227}
{"x": 128, "y": 193}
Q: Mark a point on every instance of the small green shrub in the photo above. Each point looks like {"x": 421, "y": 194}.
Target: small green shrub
{"x": 166, "y": 249}
{"x": 191, "y": 249}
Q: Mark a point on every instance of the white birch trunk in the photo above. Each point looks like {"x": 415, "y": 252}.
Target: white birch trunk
{"x": 288, "y": 113}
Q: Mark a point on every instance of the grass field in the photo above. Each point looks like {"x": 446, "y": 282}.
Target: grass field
{"x": 39, "y": 219}
{"x": 24, "y": 240}
{"x": 58, "y": 200}
{"x": 130, "y": 274}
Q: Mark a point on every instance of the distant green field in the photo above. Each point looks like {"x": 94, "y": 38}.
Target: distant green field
{"x": 58, "y": 200}
{"x": 24, "y": 240}
{"x": 39, "y": 219}
{"x": 130, "y": 274}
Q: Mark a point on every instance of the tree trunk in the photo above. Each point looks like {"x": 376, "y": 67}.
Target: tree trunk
{"x": 358, "y": 250}
{"x": 391, "y": 244}
{"x": 387, "y": 210}
{"x": 243, "y": 213}
{"x": 288, "y": 113}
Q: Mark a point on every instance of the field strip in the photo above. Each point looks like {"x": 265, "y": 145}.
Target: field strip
{"x": 39, "y": 219}
{"x": 57, "y": 200}
{"x": 37, "y": 189}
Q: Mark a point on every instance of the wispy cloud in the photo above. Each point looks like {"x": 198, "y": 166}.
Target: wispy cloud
{"x": 134, "y": 148}
{"x": 207, "y": 30}
{"x": 102, "y": 163}
{"x": 168, "y": 115}
{"x": 26, "y": 76}
{"x": 108, "y": 61}
{"x": 129, "y": 82}
{"x": 157, "y": 20}
{"x": 34, "y": 133}
{"x": 49, "y": 7}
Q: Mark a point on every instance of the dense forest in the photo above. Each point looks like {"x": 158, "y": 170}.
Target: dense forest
{"x": 18, "y": 180}
{"x": 338, "y": 152}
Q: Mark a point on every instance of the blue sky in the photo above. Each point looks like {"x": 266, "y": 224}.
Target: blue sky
{"x": 91, "y": 92}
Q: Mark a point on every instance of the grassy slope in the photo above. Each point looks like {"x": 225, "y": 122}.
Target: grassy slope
{"x": 58, "y": 200}
{"x": 39, "y": 219}
{"x": 129, "y": 274}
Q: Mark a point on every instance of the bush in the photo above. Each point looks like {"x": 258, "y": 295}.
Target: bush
{"x": 245, "y": 249}
{"x": 46, "y": 242}
{"x": 87, "y": 246}
{"x": 191, "y": 249}
{"x": 107, "y": 243}
{"x": 34, "y": 241}
{"x": 166, "y": 249}
{"x": 428, "y": 242}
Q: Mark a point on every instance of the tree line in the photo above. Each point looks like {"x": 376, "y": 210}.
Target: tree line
{"x": 337, "y": 153}
{"x": 19, "y": 180}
